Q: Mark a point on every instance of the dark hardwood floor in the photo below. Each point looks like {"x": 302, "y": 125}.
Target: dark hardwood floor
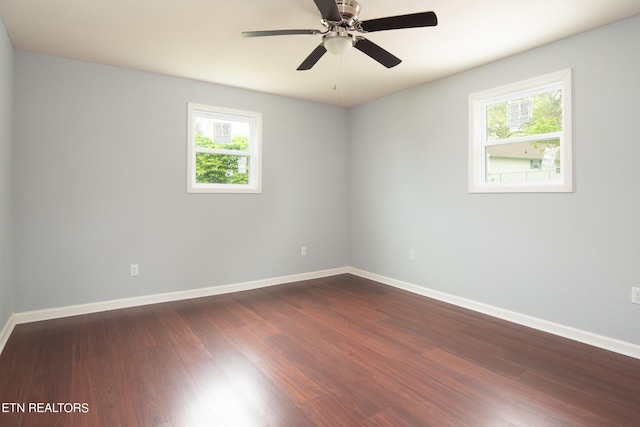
{"x": 339, "y": 351}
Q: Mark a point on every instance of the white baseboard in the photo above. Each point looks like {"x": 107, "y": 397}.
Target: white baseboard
{"x": 74, "y": 310}
{"x": 606, "y": 343}
{"x": 6, "y": 331}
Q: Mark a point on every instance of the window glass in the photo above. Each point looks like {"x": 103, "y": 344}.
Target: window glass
{"x": 537, "y": 114}
{"x": 523, "y": 161}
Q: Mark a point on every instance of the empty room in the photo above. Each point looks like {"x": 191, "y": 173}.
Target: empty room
{"x": 319, "y": 213}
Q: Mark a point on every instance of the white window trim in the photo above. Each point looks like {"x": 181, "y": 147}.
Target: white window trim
{"x": 255, "y": 152}
{"x": 476, "y": 156}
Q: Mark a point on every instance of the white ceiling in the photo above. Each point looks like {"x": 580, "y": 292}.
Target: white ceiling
{"x": 200, "y": 39}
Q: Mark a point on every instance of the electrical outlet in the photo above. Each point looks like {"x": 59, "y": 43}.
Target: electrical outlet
{"x": 635, "y": 295}
{"x": 303, "y": 251}
{"x": 133, "y": 270}
{"x": 412, "y": 255}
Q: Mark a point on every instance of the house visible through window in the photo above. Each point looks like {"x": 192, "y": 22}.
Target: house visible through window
{"x": 223, "y": 150}
{"x": 520, "y": 136}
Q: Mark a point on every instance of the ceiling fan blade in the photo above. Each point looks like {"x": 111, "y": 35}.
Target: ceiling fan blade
{"x": 279, "y": 33}
{"x": 414, "y": 20}
{"x": 312, "y": 58}
{"x": 376, "y": 52}
{"x": 329, "y": 10}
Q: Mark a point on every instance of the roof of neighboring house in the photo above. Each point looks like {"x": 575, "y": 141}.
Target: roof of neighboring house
{"x": 520, "y": 150}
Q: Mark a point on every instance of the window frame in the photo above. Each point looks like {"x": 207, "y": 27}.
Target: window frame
{"x": 478, "y": 141}
{"x": 254, "y": 119}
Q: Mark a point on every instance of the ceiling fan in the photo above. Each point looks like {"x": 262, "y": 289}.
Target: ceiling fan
{"x": 340, "y": 17}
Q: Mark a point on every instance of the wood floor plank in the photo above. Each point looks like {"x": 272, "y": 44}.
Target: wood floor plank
{"x": 138, "y": 328}
{"x": 18, "y": 354}
{"x": 142, "y": 388}
{"x": 499, "y": 397}
{"x": 294, "y": 383}
{"x": 119, "y": 360}
{"x": 388, "y": 418}
{"x": 93, "y": 381}
{"x": 182, "y": 338}
{"x": 331, "y": 411}
{"x": 336, "y": 351}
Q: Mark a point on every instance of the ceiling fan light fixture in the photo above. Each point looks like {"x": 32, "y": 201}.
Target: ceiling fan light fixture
{"x": 338, "y": 45}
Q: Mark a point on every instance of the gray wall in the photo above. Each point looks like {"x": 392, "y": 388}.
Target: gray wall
{"x": 567, "y": 258}
{"x": 100, "y": 183}
{"x": 6, "y": 224}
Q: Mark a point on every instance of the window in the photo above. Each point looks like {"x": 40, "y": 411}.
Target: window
{"x": 520, "y": 136}
{"x": 224, "y": 148}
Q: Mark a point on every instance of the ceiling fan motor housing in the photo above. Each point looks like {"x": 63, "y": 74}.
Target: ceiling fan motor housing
{"x": 349, "y": 10}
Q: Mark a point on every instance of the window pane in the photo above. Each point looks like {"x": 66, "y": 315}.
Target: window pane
{"x": 523, "y": 161}
{"x": 537, "y": 114}
{"x": 216, "y": 133}
{"x": 221, "y": 169}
